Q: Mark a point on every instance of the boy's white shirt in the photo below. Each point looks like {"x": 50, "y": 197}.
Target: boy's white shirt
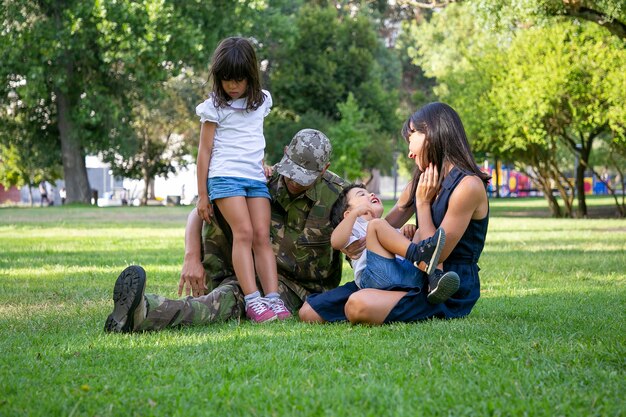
{"x": 359, "y": 230}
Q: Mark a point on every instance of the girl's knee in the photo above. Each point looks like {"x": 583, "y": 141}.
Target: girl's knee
{"x": 261, "y": 238}
{"x": 243, "y": 234}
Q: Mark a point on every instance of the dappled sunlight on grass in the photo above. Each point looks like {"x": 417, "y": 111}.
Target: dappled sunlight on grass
{"x": 577, "y": 246}
{"x": 60, "y": 272}
{"x": 100, "y": 233}
{"x": 549, "y": 317}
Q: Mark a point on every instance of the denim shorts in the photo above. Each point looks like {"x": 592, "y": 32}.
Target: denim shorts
{"x": 224, "y": 187}
{"x": 385, "y": 273}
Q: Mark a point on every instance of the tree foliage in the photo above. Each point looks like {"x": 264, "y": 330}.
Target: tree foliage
{"x": 350, "y": 137}
{"x": 539, "y": 97}
{"x": 334, "y": 54}
{"x": 163, "y": 132}
{"x": 88, "y": 64}
{"x": 504, "y": 14}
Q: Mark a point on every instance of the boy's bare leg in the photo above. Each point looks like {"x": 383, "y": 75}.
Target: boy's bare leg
{"x": 384, "y": 240}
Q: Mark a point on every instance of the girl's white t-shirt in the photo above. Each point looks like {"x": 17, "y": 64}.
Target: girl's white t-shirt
{"x": 239, "y": 144}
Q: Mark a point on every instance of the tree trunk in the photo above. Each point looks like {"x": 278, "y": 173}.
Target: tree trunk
{"x": 74, "y": 169}
{"x": 555, "y": 209}
{"x": 497, "y": 185}
{"x": 583, "y": 150}
{"x": 580, "y": 189}
{"x": 553, "y": 204}
{"x": 146, "y": 188}
{"x": 567, "y": 198}
{"x": 72, "y": 154}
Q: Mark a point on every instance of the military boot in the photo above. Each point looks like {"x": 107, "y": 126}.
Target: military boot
{"x": 128, "y": 299}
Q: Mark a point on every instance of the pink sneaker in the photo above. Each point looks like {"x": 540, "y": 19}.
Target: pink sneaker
{"x": 259, "y": 312}
{"x": 278, "y": 307}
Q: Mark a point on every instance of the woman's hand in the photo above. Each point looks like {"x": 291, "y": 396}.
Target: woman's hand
{"x": 268, "y": 170}
{"x": 408, "y": 230}
{"x": 355, "y": 249}
{"x": 427, "y": 187}
{"x": 205, "y": 209}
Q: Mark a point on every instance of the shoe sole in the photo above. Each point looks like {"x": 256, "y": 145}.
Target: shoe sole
{"x": 283, "y": 317}
{"x": 127, "y": 294}
{"x": 446, "y": 287}
{"x": 273, "y": 318}
{"x": 434, "y": 260}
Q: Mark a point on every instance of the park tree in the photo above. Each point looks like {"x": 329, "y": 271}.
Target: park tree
{"x": 350, "y": 137}
{"x": 50, "y": 59}
{"x": 28, "y": 144}
{"x": 332, "y": 54}
{"x": 539, "y": 98}
{"x": 28, "y": 165}
{"x": 164, "y": 134}
{"x": 557, "y": 86}
{"x": 90, "y": 64}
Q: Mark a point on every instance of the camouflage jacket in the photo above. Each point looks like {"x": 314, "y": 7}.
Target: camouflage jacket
{"x": 300, "y": 233}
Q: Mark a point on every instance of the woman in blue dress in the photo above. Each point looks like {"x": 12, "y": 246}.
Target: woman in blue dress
{"x": 447, "y": 190}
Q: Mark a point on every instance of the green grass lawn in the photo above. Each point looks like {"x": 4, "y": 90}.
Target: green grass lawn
{"x": 547, "y": 337}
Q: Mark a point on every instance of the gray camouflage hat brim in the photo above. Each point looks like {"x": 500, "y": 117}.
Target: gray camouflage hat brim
{"x": 287, "y": 168}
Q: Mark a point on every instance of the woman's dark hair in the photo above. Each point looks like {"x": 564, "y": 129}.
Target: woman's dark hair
{"x": 341, "y": 205}
{"x": 235, "y": 59}
{"x": 445, "y": 142}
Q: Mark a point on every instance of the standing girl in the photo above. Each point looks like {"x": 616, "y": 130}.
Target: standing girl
{"x": 231, "y": 173}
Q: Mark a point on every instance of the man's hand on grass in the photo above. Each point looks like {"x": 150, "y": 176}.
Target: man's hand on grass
{"x": 192, "y": 279}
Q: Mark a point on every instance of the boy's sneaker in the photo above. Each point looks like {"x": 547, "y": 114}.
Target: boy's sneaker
{"x": 429, "y": 251}
{"x": 278, "y": 307}
{"x": 129, "y": 304}
{"x": 442, "y": 286}
{"x": 258, "y": 311}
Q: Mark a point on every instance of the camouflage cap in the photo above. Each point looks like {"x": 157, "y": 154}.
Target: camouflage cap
{"x": 306, "y": 157}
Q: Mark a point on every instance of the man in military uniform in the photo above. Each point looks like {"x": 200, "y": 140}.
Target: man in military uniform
{"x": 303, "y": 192}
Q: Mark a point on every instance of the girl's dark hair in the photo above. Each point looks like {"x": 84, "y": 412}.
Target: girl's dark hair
{"x": 341, "y": 204}
{"x": 235, "y": 59}
{"x": 445, "y": 142}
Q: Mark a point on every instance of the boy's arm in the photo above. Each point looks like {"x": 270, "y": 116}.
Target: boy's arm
{"x": 341, "y": 235}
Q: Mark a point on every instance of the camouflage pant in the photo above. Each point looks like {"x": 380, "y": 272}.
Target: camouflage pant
{"x": 223, "y": 303}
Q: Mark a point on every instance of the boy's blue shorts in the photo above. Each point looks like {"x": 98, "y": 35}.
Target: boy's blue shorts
{"x": 224, "y": 187}
{"x": 383, "y": 273}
